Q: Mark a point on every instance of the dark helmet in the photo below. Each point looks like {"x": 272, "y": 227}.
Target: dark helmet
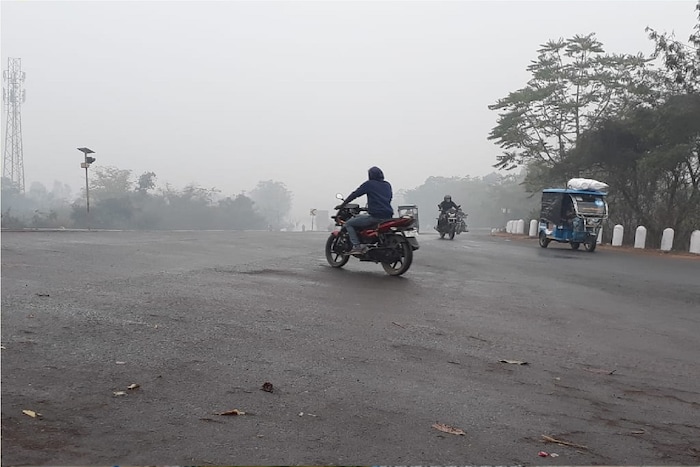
{"x": 448, "y": 198}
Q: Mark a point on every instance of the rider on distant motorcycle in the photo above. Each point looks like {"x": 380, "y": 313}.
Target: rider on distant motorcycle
{"x": 445, "y": 206}
{"x": 379, "y": 195}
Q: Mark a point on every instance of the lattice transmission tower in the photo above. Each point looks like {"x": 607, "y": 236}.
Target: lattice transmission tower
{"x": 13, "y": 95}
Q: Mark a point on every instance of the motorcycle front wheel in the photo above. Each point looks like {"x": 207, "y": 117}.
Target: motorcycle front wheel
{"x": 335, "y": 253}
{"x": 452, "y": 233}
{"x": 401, "y": 264}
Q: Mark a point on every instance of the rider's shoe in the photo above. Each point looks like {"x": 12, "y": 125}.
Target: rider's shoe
{"x": 358, "y": 249}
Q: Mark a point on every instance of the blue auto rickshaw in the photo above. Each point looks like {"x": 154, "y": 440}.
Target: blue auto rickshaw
{"x": 572, "y": 216}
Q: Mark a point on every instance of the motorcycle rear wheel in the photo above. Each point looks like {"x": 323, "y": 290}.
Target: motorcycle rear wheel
{"x": 335, "y": 258}
{"x": 401, "y": 265}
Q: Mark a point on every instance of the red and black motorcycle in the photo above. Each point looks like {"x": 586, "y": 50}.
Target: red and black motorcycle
{"x": 390, "y": 243}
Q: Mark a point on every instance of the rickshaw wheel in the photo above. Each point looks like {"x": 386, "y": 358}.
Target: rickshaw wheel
{"x": 575, "y": 245}
{"x": 544, "y": 241}
{"x": 590, "y": 246}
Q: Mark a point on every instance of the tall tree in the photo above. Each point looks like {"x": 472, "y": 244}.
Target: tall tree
{"x": 238, "y": 213}
{"x": 147, "y": 181}
{"x": 651, "y": 158}
{"x": 273, "y": 201}
{"x": 681, "y": 61}
{"x": 110, "y": 182}
{"x": 574, "y": 86}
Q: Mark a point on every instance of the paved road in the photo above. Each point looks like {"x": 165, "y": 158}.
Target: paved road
{"x": 362, "y": 364}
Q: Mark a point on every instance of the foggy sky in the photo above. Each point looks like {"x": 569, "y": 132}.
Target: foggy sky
{"x": 224, "y": 94}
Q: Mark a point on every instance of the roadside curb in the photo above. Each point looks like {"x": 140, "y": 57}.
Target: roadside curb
{"x": 608, "y": 247}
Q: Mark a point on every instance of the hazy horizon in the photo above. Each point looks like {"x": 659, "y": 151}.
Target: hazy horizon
{"x": 225, "y": 94}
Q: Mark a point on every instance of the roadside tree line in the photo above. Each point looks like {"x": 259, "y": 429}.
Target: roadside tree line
{"x": 632, "y": 121}
{"x": 489, "y": 200}
{"x": 118, "y": 201}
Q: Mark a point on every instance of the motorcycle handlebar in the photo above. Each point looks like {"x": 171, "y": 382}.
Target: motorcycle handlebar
{"x": 340, "y": 206}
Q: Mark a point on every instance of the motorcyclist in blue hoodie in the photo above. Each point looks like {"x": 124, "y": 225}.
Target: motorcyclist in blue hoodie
{"x": 379, "y": 208}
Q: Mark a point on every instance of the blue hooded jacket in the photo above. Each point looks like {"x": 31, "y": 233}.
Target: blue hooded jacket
{"x": 378, "y": 193}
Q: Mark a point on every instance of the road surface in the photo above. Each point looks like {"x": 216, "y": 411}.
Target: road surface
{"x": 362, "y": 365}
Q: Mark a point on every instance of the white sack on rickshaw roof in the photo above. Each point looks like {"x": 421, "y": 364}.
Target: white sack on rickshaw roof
{"x": 586, "y": 184}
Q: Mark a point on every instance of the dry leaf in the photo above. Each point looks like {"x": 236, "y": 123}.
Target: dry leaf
{"x": 232, "y": 412}
{"x": 31, "y": 413}
{"x": 133, "y": 386}
{"x": 600, "y": 371}
{"x": 119, "y": 393}
{"x": 448, "y": 429}
{"x": 267, "y": 387}
{"x": 513, "y": 362}
{"x": 563, "y": 443}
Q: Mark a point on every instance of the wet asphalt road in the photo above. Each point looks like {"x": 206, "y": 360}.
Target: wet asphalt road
{"x": 362, "y": 364}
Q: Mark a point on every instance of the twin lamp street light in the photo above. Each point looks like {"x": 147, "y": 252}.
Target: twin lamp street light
{"x": 85, "y": 165}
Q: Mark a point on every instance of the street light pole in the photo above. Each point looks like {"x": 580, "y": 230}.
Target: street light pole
{"x": 85, "y": 165}
{"x": 87, "y": 191}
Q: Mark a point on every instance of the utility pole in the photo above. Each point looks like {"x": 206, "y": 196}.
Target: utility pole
{"x": 86, "y": 165}
{"x": 13, "y": 96}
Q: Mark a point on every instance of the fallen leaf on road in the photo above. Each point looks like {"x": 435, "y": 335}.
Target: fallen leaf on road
{"x": 267, "y": 387}
{"x": 119, "y": 393}
{"x": 134, "y": 386}
{"x": 454, "y": 362}
{"x": 448, "y": 429}
{"x": 543, "y": 454}
{"x": 513, "y": 362}
{"x": 31, "y": 413}
{"x": 600, "y": 371}
{"x": 232, "y": 412}
{"x": 562, "y": 442}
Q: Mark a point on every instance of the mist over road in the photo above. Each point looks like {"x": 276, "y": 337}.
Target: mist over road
{"x": 362, "y": 364}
